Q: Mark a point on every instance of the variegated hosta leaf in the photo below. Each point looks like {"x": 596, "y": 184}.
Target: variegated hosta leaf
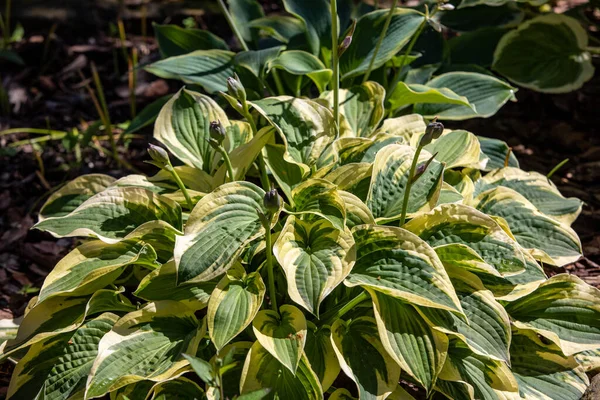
{"x": 543, "y": 371}
{"x": 486, "y": 331}
{"x": 243, "y": 156}
{"x": 461, "y": 256}
{"x": 93, "y": 265}
{"x": 318, "y": 197}
{"x": 135, "y": 391}
{"x": 177, "y": 389}
{"x": 59, "y": 315}
{"x": 234, "y": 304}
{"x": 363, "y": 357}
{"x": 283, "y": 334}
{"x": 400, "y": 394}
{"x": 563, "y": 309}
{"x": 158, "y": 234}
{"x": 316, "y": 257}
{"x": 306, "y": 126}
{"x": 536, "y": 188}
{"x": 146, "y": 344}
{"x": 57, "y": 368}
{"x": 396, "y": 262}
{"x": 71, "y": 195}
{"x": 496, "y": 151}
{"x": 342, "y": 394}
{"x": 161, "y": 284}
{"x": 357, "y": 213}
{"x": 363, "y": 150}
{"x": 405, "y": 126}
{"x": 262, "y": 370}
{"x": 183, "y": 127}
{"x": 460, "y": 224}
{"x": 301, "y": 63}
{"x": 466, "y": 372}
{"x": 409, "y": 340}
{"x": 362, "y": 106}
{"x": 319, "y": 352}
{"x": 218, "y": 229}
{"x": 193, "y": 178}
{"x": 390, "y": 177}
{"x": 354, "y": 178}
{"x": 456, "y": 149}
{"x": 449, "y": 195}
{"x": 288, "y": 174}
{"x": 232, "y": 356}
{"x": 589, "y": 360}
{"x": 462, "y": 183}
{"x": 547, "y": 239}
{"x": 406, "y": 94}
{"x": 113, "y": 214}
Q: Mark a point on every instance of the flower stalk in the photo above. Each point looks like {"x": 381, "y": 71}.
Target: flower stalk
{"x": 335, "y": 65}
{"x": 160, "y": 159}
{"x": 233, "y": 26}
{"x": 386, "y": 25}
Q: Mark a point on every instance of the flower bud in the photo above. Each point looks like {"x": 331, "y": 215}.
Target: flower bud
{"x": 433, "y": 131}
{"x": 446, "y": 7}
{"x": 272, "y": 201}
{"x": 236, "y": 89}
{"x": 217, "y": 132}
{"x": 159, "y": 155}
{"x": 344, "y": 45}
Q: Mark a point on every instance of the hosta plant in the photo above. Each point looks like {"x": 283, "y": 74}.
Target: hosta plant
{"x": 275, "y": 256}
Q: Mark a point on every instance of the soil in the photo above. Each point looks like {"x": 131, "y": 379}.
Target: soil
{"x": 49, "y": 92}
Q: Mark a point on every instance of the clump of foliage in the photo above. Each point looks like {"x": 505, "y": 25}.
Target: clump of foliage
{"x": 309, "y": 239}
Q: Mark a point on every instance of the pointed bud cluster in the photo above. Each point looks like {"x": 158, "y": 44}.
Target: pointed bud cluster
{"x": 433, "y": 131}
{"x": 236, "y": 89}
{"x": 159, "y": 155}
{"x": 217, "y": 133}
{"x": 344, "y": 45}
{"x": 446, "y": 7}
{"x": 272, "y": 201}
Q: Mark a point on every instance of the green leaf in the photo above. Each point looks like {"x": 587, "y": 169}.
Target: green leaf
{"x": 218, "y": 229}
{"x": 113, "y": 214}
{"x": 306, "y": 127}
{"x": 406, "y": 94}
{"x": 283, "y": 334}
{"x": 161, "y": 284}
{"x": 207, "y": 68}
{"x": 362, "y": 106}
{"x": 547, "y": 239}
{"x": 321, "y": 355}
{"x": 485, "y": 93}
{"x": 353, "y": 177}
{"x": 403, "y": 25}
{"x": 174, "y": 40}
{"x": 357, "y": 213}
{"x": 262, "y": 371}
{"x": 316, "y": 17}
{"x": 73, "y": 194}
{"x": 418, "y": 349}
{"x": 288, "y": 174}
{"x": 484, "y": 378}
{"x": 144, "y": 344}
{"x": 565, "y": 310}
{"x": 536, "y": 188}
{"x": 183, "y": 126}
{"x": 256, "y": 61}
{"x": 460, "y": 224}
{"x": 390, "y": 177}
{"x": 57, "y": 368}
{"x": 234, "y": 304}
{"x": 476, "y": 47}
{"x": 547, "y": 54}
{"x": 297, "y": 62}
{"x": 316, "y": 257}
{"x": 148, "y": 115}
{"x": 362, "y": 150}
{"x": 486, "y": 331}
{"x": 470, "y": 17}
{"x": 202, "y": 368}
{"x": 405, "y": 126}
{"x": 280, "y": 27}
{"x": 12, "y": 56}
{"x": 496, "y": 150}
{"x": 543, "y": 372}
{"x": 242, "y": 13}
{"x": 456, "y": 149}
{"x": 319, "y": 198}
{"x": 177, "y": 389}
{"x": 342, "y": 394}
{"x": 363, "y": 357}
{"x": 93, "y": 265}
{"x": 397, "y": 263}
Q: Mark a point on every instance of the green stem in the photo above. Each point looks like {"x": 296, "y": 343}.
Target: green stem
{"x": 234, "y": 28}
{"x": 335, "y": 65}
{"x": 227, "y": 163}
{"x": 386, "y": 25}
{"x": 411, "y": 173}
{"x": 278, "y": 83}
{"x": 327, "y": 320}
{"x": 404, "y": 61}
{"x": 7, "y": 24}
{"x": 269, "y": 250}
{"x": 264, "y": 177}
{"x": 182, "y": 187}
{"x": 558, "y": 166}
